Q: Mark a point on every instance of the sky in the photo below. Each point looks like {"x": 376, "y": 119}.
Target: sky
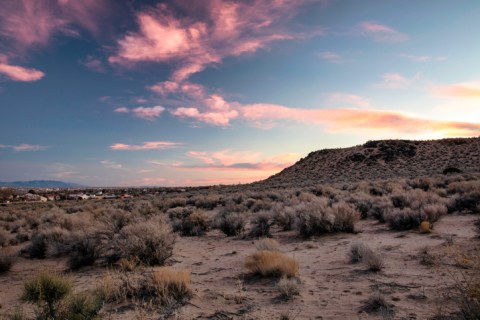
{"x": 203, "y": 92}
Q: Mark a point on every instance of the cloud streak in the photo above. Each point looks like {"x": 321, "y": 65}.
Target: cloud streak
{"x": 148, "y": 145}
{"x": 228, "y": 160}
{"x": 29, "y": 147}
{"x": 459, "y": 90}
{"x": 210, "y": 32}
{"x": 18, "y": 73}
{"x": 381, "y": 33}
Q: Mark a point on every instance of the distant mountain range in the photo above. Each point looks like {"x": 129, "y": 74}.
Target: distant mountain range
{"x": 39, "y": 184}
{"x": 383, "y": 159}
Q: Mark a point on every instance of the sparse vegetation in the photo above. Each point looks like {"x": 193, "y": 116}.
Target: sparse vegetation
{"x": 7, "y": 259}
{"x": 288, "y": 287}
{"x": 267, "y": 244}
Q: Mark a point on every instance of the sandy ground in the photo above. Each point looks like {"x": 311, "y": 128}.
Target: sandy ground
{"x": 331, "y": 287}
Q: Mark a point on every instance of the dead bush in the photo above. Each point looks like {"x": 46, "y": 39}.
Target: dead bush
{"x": 271, "y": 264}
{"x": 374, "y": 261}
{"x": 151, "y": 242}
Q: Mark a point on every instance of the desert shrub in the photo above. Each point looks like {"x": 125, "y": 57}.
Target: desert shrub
{"x": 477, "y": 227}
{"x": 7, "y": 259}
{"x": 84, "y": 249}
{"x": 151, "y": 242}
{"x": 284, "y": 217}
{"x": 4, "y": 237}
{"x": 168, "y": 286}
{"x": 261, "y": 205}
{"x": 374, "y": 261}
{"x": 271, "y": 264}
{"x": 261, "y": 223}
{"x": 107, "y": 288}
{"x": 377, "y": 303}
{"x": 267, "y": 244}
{"x": 196, "y": 224}
{"x": 208, "y": 202}
{"x": 47, "y": 242}
{"x": 114, "y": 220}
{"x": 450, "y": 170}
{"x": 18, "y": 314}
{"x": 345, "y": 217}
{"x": 288, "y": 287}
{"x": 232, "y": 224}
{"x": 317, "y": 218}
{"x": 80, "y": 307}
{"x": 174, "y": 202}
{"x": 466, "y": 203}
{"x": 358, "y": 251}
{"x": 46, "y": 290}
{"x": 407, "y": 218}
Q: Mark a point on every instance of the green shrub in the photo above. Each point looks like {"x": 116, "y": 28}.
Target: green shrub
{"x": 46, "y": 290}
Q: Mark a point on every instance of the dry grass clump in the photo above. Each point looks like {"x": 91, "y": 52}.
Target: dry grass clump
{"x": 151, "y": 242}
{"x": 232, "y": 224}
{"x": 360, "y": 252}
{"x": 7, "y": 259}
{"x": 271, "y": 264}
{"x": 268, "y": 244}
{"x": 168, "y": 286}
{"x": 317, "y": 218}
{"x": 288, "y": 287}
{"x": 195, "y": 224}
{"x": 377, "y": 303}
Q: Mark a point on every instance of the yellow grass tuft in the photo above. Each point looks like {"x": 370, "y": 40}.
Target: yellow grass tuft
{"x": 171, "y": 285}
{"x": 425, "y": 227}
{"x": 271, "y": 263}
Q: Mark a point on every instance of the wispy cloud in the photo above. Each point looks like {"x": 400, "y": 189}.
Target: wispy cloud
{"x": 229, "y": 160}
{"x": 381, "y": 32}
{"x": 18, "y": 73}
{"x": 29, "y": 147}
{"x": 27, "y": 24}
{"x": 347, "y": 100}
{"x": 148, "y": 145}
{"x": 93, "y": 63}
{"x": 111, "y": 164}
{"x": 459, "y": 90}
{"x": 420, "y": 58}
{"x": 212, "y": 31}
{"x": 331, "y": 57}
{"x": 147, "y": 113}
{"x": 121, "y": 110}
{"x": 397, "y": 81}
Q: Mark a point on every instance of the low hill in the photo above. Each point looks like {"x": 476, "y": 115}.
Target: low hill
{"x": 39, "y": 184}
{"x": 383, "y": 159}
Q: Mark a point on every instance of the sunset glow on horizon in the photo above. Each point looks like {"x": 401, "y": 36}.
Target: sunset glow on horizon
{"x": 183, "y": 92}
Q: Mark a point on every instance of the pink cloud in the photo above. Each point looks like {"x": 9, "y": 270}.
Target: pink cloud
{"x": 419, "y": 58}
{"x": 17, "y": 73}
{"x": 381, "y": 33}
{"x": 148, "y": 113}
{"x": 29, "y": 147}
{"x": 148, "y": 145}
{"x": 331, "y": 57}
{"x": 459, "y": 90}
{"x": 228, "y": 160}
{"x": 394, "y": 81}
{"x": 226, "y": 28}
{"x": 122, "y": 110}
{"x": 93, "y": 63}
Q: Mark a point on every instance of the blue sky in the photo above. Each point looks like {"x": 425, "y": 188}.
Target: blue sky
{"x": 109, "y": 93}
